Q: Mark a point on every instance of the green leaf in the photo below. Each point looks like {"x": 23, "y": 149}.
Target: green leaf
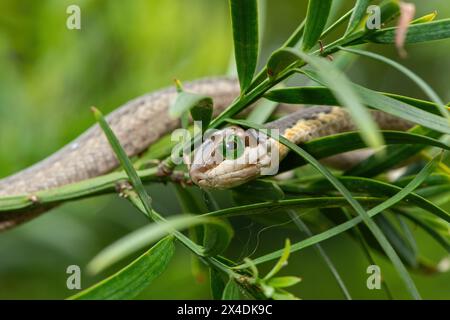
{"x": 244, "y": 19}
{"x": 262, "y": 111}
{"x": 283, "y": 282}
{"x": 374, "y": 186}
{"x": 389, "y": 10}
{"x": 304, "y": 203}
{"x": 422, "y": 32}
{"x": 397, "y": 241}
{"x": 348, "y": 141}
{"x": 200, "y": 107}
{"x": 264, "y": 190}
{"x": 358, "y": 14}
{"x": 337, "y": 23}
{"x": 295, "y": 37}
{"x": 217, "y": 238}
{"x": 281, "y": 262}
{"x": 422, "y": 84}
{"x": 217, "y": 284}
{"x": 426, "y": 18}
{"x": 324, "y": 96}
{"x": 345, "y": 93}
{"x": 302, "y": 95}
{"x": 431, "y": 230}
{"x": 322, "y": 253}
{"x": 280, "y": 60}
{"x": 316, "y": 19}
{"x": 283, "y": 295}
{"x": 231, "y": 291}
{"x": 135, "y": 277}
{"x": 418, "y": 180}
{"x": 371, "y": 186}
{"x": 397, "y": 108}
{"x": 390, "y": 252}
{"x": 144, "y": 236}
{"x": 126, "y": 164}
{"x": 391, "y": 157}
{"x": 330, "y": 145}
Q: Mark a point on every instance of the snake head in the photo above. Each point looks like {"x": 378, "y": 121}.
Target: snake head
{"x": 231, "y": 157}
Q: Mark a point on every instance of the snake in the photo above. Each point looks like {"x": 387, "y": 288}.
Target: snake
{"x": 144, "y": 120}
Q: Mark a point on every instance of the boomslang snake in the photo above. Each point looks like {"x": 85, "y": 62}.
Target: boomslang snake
{"x": 142, "y": 121}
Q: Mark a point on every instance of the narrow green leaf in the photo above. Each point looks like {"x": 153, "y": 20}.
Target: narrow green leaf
{"x": 370, "y": 185}
{"x": 422, "y": 84}
{"x": 389, "y": 10}
{"x": 217, "y": 238}
{"x": 397, "y": 108}
{"x": 283, "y": 282}
{"x": 302, "y": 95}
{"x": 322, "y": 253}
{"x": 295, "y": 37}
{"x": 422, "y": 32}
{"x": 281, "y": 262}
{"x": 344, "y": 91}
{"x": 324, "y": 96}
{"x": 231, "y": 291}
{"x": 280, "y": 60}
{"x": 135, "y": 277}
{"x": 391, "y": 157}
{"x": 431, "y": 230}
{"x": 316, "y": 19}
{"x": 244, "y": 19}
{"x": 262, "y": 111}
{"x": 300, "y": 203}
{"x": 327, "y": 145}
{"x": 144, "y": 236}
{"x": 337, "y": 23}
{"x": 200, "y": 107}
{"x": 418, "y": 180}
{"x": 426, "y": 18}
{"x": 126, "y": 163}
{"x": 264, "y": 190}
{"x": 283, "y": 295}
{"x": 358, "y": 14}
{"x": 390, "y": 252}
{"x": 217, "y": 284}
{"x": 397, "y": 241}
{"x": 348, "y": 141}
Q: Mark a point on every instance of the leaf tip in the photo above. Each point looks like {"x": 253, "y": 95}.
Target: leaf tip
{"x": 178, "y": 85}
{"x": 96, "y": 112}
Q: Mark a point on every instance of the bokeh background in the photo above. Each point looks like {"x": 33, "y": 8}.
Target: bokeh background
{"x": 49, "y": 76}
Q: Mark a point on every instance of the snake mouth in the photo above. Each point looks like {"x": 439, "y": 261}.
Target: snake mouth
{"x": 210, "y": 180}
{"x": 251, "y": 155}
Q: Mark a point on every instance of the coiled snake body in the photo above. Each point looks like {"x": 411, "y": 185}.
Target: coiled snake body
{"x": 142, "y": 121}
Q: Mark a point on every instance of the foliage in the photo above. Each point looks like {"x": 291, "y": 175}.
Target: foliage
{"x": 368, "y": 200}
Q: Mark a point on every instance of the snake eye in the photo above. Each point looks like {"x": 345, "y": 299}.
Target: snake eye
{"x": 231, "y": 147}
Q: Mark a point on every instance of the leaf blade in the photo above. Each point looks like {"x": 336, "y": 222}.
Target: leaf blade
{"x": 135, "y": 277}
{"x": 244, "y": 19}
{"x": 357, "y": 16}
{"x": 423, "y": 32}
{"x": 316, "y": 19}
{"x": 142, "y": 237}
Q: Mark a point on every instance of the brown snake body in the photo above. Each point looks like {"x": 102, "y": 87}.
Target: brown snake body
{"x": 141, "y": 122}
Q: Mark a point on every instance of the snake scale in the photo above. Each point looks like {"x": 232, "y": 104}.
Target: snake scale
{"x": 142, "y": 121}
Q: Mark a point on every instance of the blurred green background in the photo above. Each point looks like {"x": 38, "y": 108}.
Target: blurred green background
{"x": 51, "y": 75}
